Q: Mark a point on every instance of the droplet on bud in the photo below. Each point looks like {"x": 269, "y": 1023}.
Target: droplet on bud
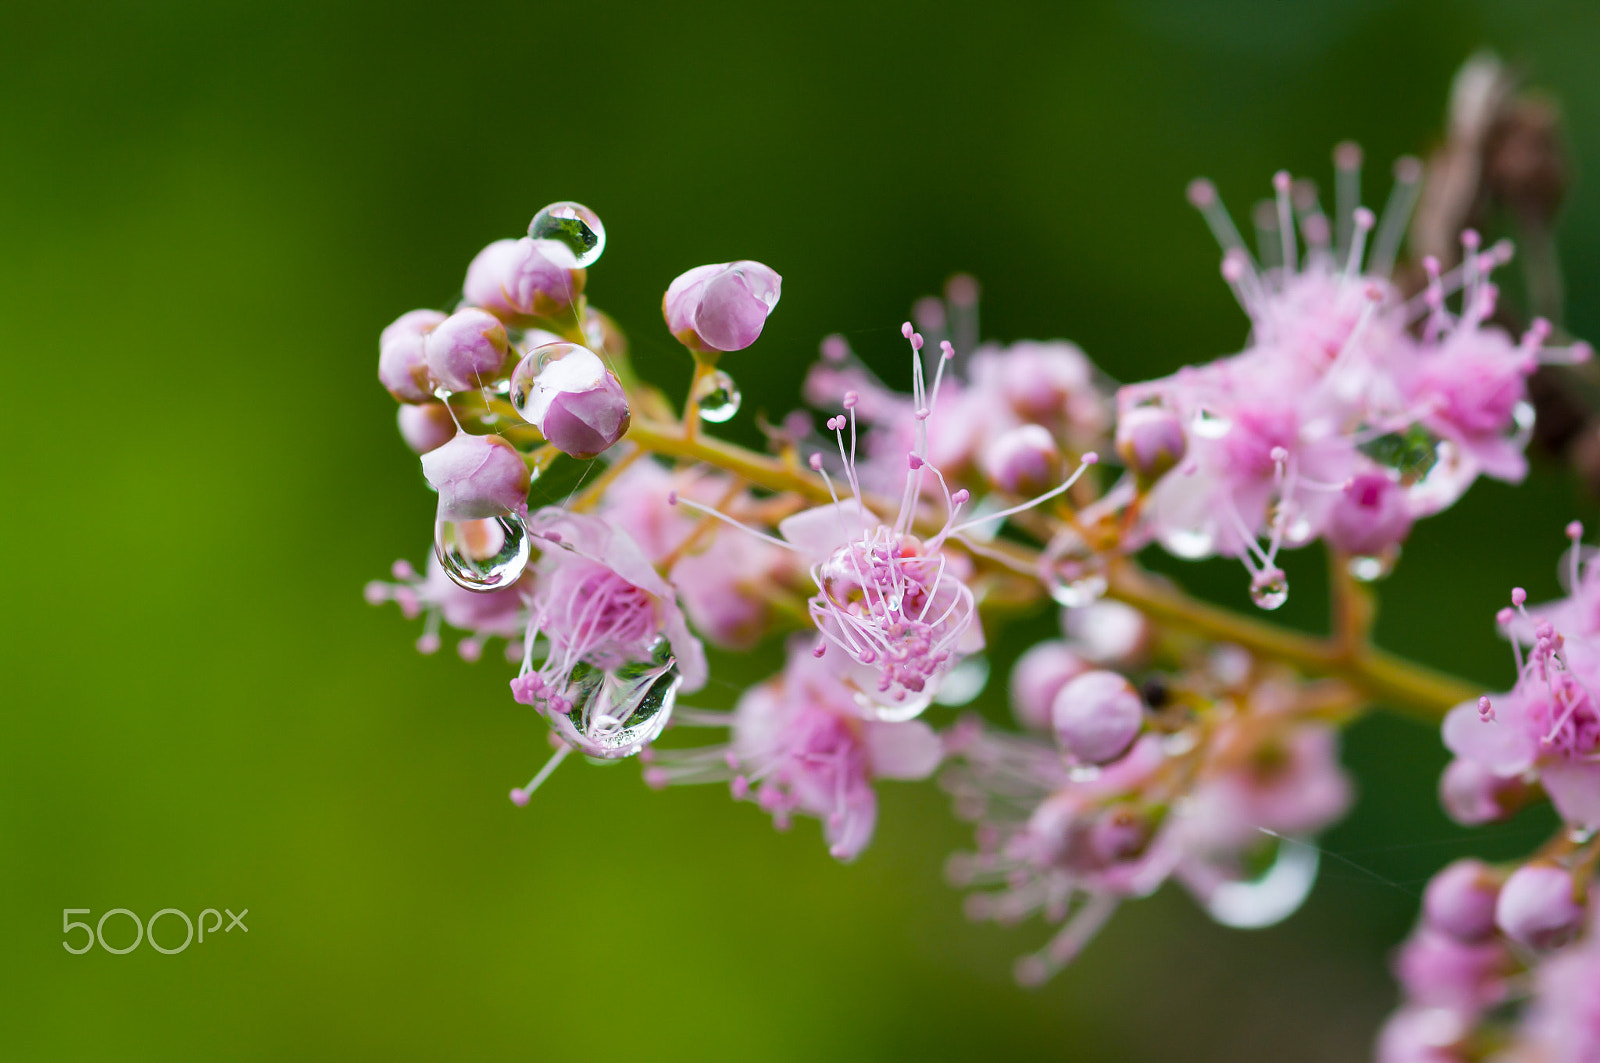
{"x": 569, "y": 234}
{"x": 1270, "y": 589}
{"x": 1210, "y": 424}
{"x": 1271, "y": 897}
{"x": 482, "y": 555}
{"x": 717, "y": 397}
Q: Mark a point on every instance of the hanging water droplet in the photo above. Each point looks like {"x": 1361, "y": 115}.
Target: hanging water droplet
{"x": 1369, "y": 568}
{"x": 482, "y": 555}
{"x": 1270, "y": 589}
{"x": 964, "y": 682}
{"x": 1209, "y": 424}
{"x": 616, "y": 712}
{"x": 570, "y": 234}
{"x": 1074, "y": 575}
{"x": 890, "y": 709}
{"x": 1191, "y": 544}
{"x": 717, "y": 397}
{"x": 1270, "y": 897}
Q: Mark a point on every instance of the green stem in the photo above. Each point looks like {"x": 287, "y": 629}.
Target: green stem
{"x": 1394, "y": 682}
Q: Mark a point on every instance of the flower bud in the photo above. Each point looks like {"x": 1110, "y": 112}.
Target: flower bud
{"x": 1122, "y": 833}
{"x": 477, "y": 477}
{"x": 1441, "y": 971}
{"x": 1536, "y": 907}
{"x": 1370, "y": 516}
{"x": 466, "y": 350}
{"x": 426, "y": 426}
{"x": 1023, "y": 461}
{"x": 402, "y": 363}
{"x": 721, "y": 307}
{"x": 1038, "y": 677}
{"x": 1460, "y": 900}
{"x": 1096, "y": 717}
{"x": 513, "y": 281}
{"x": 1150, "y": 441}
{"x": 571, "y": 396}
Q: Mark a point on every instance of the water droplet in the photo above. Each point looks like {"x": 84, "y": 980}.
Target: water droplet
{"x": 1191, "y": 544}
{"x": 1209, "y": 424}
{"x": 528, "y": 369}
{"x": 482, "y": 555}
{"x": 717, "y": 396}
{"x": 569, "y": 234}
{"x": 886, "y": 708}
{"x": 1074, "y": 575}
{"x": 1270, "y": 897}
{"x": 616, "y": 711}
{"x": 1369, "y": 568}
{"x": 1269, "y": 590}
{"x": 964, "y": 682}
{"x": 1411, "y": 453}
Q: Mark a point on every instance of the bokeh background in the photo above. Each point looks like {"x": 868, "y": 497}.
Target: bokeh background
{"x": 208, "y": 211}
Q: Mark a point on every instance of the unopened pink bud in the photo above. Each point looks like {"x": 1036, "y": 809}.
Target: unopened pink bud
{"x": 1370, "y": 516}
{"x": 721, "y": 307}
{"x": 1038, "y": 677}
{"x": 516, "y": 283}
{"x": 466, "y": 350}
{"x": 567, "y": 391}
{"x": 1151, "y": 441}
{"x": 1096, "y": 717}
{"x": 1536, "y": 907}
{"x": 1120, "y": 834}
{"x": 477, "y": 477}
{"x": 426, "y": 427}
{"x": 1473, "y": 795}
{"x": 402, "y": 362}
{"x": 1023, "y": 461}
{"x": 1460, "y": 900}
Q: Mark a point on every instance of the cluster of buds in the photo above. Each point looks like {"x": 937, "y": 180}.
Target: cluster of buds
{"x": 1157, "y": 739}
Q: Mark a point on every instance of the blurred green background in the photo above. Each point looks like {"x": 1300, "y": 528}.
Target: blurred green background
{"x": 207, "y": 213}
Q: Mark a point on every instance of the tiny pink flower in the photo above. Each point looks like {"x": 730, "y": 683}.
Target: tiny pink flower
{"x": 1371, "y": 515}
{"x": 1038, "y": 677}
{"x": 1096, "y": 717}
{"x": 466, "y": 350}
{"x": 721, "y": 307}
{"x": 1460, "y": 900}
{"x": 425, "y": 426}
{"x": 1537, "y": 907}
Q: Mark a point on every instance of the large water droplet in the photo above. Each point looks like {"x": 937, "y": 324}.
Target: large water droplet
{"x": 528, "y": 369}
{"x": 1270, "y": 897}
{"x": 616, "y": 711}
{"x": 1074, "y": 575}
{"x": 1269, "y": 590}
{"x": 1209, "y": 424}
{"x": 717, "y": 397}
{"x": 886, "y": 708}
{"x": 482, "y": 555}
{"x": 570, "y": 234}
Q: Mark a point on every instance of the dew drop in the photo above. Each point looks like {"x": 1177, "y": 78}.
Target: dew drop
{"x": 528, "y": 369}
{"x": 617, "y": 711}
{"x": 964, "y": 682}
{"x": 1369, "y": 568}
{"x": 717, "y": 397}
{"x": 1209, "y": 424}
{"x": 1269, "y": 590}
{"x": 1270, "y": 897}
{"x": 569, "y": 234}
{"x": 1074, "y": 575}
{"x": 482, "y": 555}
{"x": 1412, "y": 453}
{"x": 1191, "y": 544}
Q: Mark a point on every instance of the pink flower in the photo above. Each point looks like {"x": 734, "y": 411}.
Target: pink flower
{"x": 721, "y": 307}
{"x": 466, "y": 350}
{"x": 575, "y": 401}
{"x": 402, "y": 361}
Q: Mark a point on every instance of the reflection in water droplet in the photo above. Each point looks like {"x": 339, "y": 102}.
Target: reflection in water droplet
{"x": 616, "y": 711}
{"x": 1411, "y": 453}
{"x": 570, "y": 234}
{"x": 1269, "y": 590}
{"x": 482, "y": 555}
{"x": 717, "y": 396}
{"x": 1074, "y": 574}
{"x": 1369, "y": 568}
{"x": 1209, "y": 424}
{"x": 1271, "y": 897}
{"x": 965, "y": 681}
{"x": 891, "y": 711}
{"x": 520, "y": 386}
